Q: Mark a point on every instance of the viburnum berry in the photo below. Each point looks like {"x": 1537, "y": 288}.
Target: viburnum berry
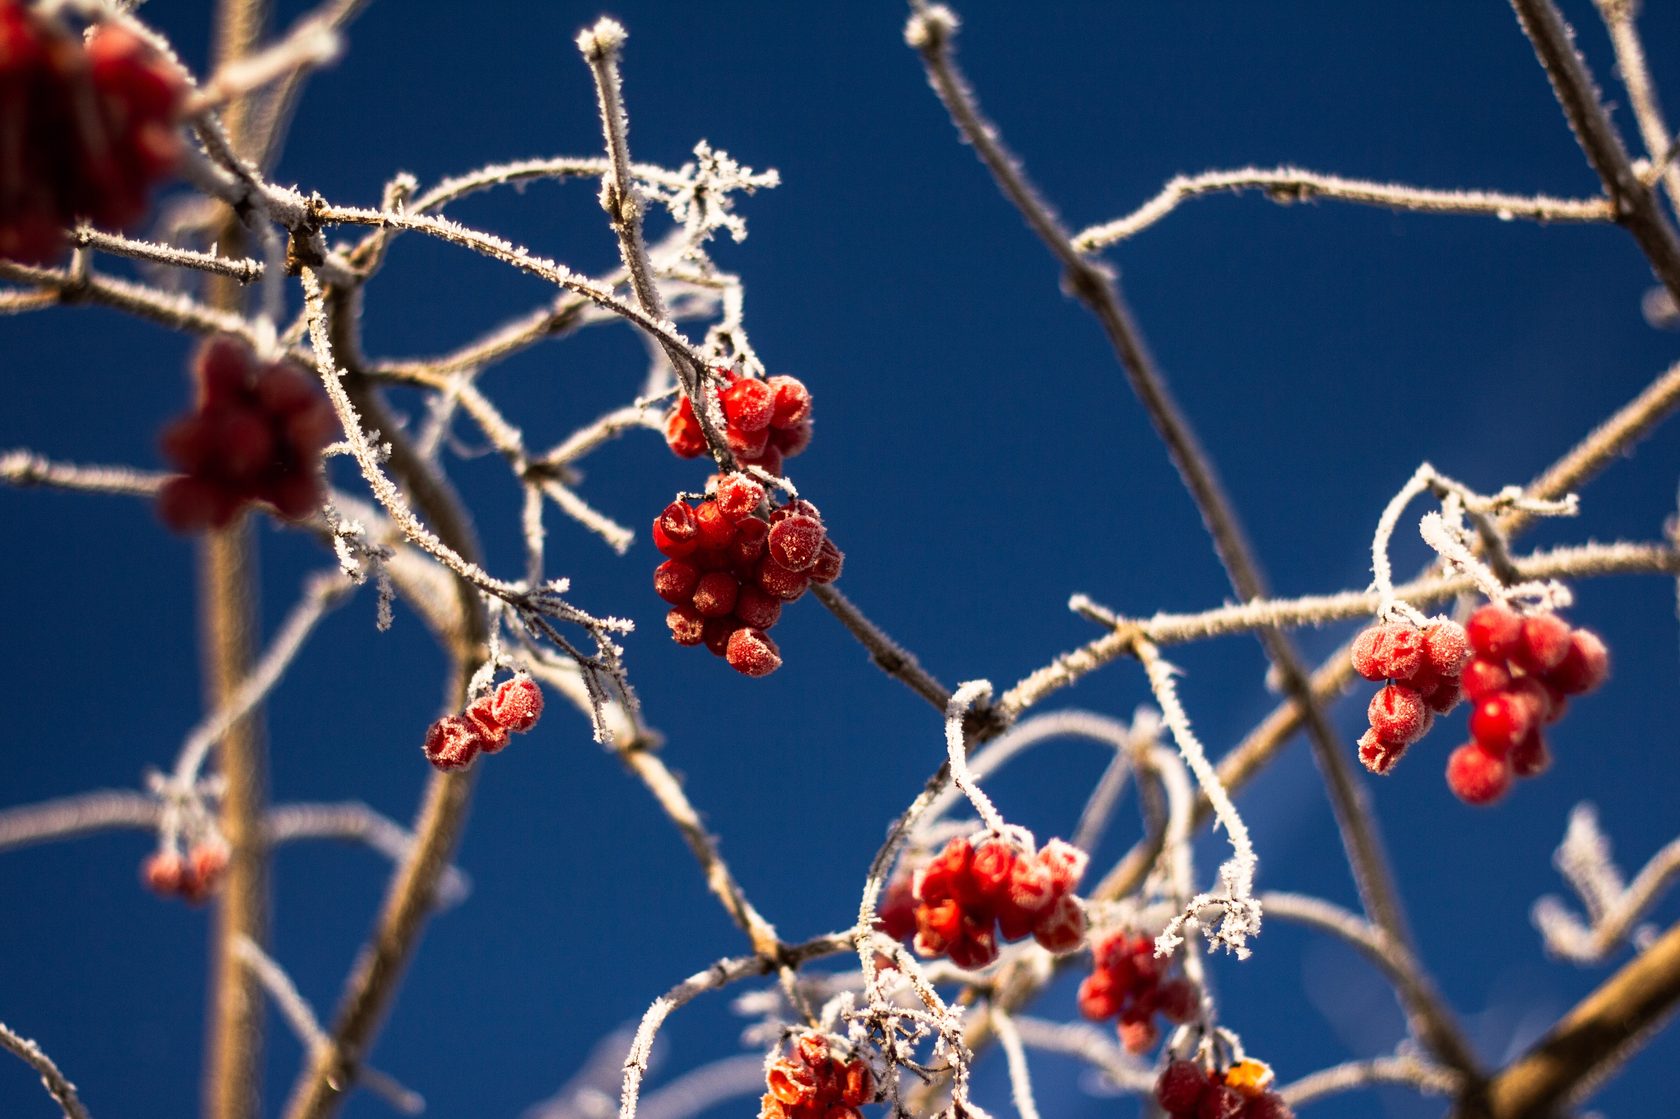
{"x": 1476, "y": 776}
{"x": 518, "y": 704}
{"x": 686, "y": 625}
{"x": 256, "y": 435}
{"x": 796, "y": 542}
{"x": 675, "y": 580}
{"x": 194, "y": 877}
{"x": 715, "y": 594}
{"x": 86, "y": 130}
{"x": 1391, "y": 651}
{"x": 765, "y": 421}
{"x": 1129, "y": 983}
{"x": 451, "y": 743}
{"x": 814, "y": 1080}
{"x": 738, "y": 496}
{"x": 492, "y": 735}
{"x": 793, "y": 401}
{"x": 751, "y": 652}
{"x": 514, "y": 707}
{"x": 1398, "y": 715}
{"x": 1495, "y": 631}
{"x": 1243, "y": 1091}
{"x": 1422, "y": 666}
{"x": 1180, "y": 1086}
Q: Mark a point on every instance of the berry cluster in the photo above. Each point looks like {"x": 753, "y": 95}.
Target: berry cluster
{"x": 729, "y": 572}
{"x": 1422, "y": 667}
{"x": 767, "y": 421}
{"x": 1518, "y": 681}
{"x": 1186, "y": 1091}
{"x": 192, "y": 878}
{"x": 1128, "y": 983}
{"x": 812, "y": 1083}
{"x": 256, "y": 435}
{"x": 483, "y": 728}
{"x": 85, "y": 129}
{"x": 952, "y": 904}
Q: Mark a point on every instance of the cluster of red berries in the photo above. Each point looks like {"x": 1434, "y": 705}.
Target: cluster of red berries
{"x": 255, "y": 435}
{"x": 1422, "y": 667}
{"x": 952, "y": 904}
{"x": 1520, "y": 679}
{"x": 85, "y": 129}
{"x": 1187, "y": 1091}
{"x": 728, "y": 571}
{"x": 767, "y": 421}
{"x": 812, "y": 1083}
{"x": 1128, "y": 983}
{"x": 483, "y": 728}
{"x": 192, "y": 878}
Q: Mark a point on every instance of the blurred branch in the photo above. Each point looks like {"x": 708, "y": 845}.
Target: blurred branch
{"x": 62, "y": 1091}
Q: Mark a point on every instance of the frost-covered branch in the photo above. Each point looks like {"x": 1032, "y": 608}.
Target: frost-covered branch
{"x": 1613, "y": 909}
{"x": 62, "y": 1091}
{"x": 1428, "y": 1079}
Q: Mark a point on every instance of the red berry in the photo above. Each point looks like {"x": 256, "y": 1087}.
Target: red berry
{"x": 769, "y": 460}
{"x": 751, "y": 652}
{"x": 686, "y": 625}
{"x": 1176, "y": 1000}
{"x": 1032, "y": 887}
{"x": 829, "y": 562}
{"x": 164, "y": 872}
{"x": 1221, "y": 1101}
{"x": 738, "y": 495}
{"x": 1098, "y": 998}
{"x": 1545, "y": 642}
{"x": 991, "y": 869}
{"x": 778, "y": 581}
{"x": 1378, "y": 756}
{"x": 451, "y": 742}
{"x": 1499, "y": 721}
{"x": 896, "y": 915}
{"x": 1445, "y": 695}
{"x": 208, "y": 860}
{"x": 675, "y": 531}
{"x": 1484, "y": 676}
{"x": 716, "y": 531}
{"x": 1446, "y": 648}
{"x": 1494, "y": 632}
{"x": 1476, "y": 776}
{"x": 683, "y": 433}
{"x": 492, "y": 735}
{"x": 793, "y": 401}
{"x": 1530, "y": 758}
{"x": 1393, "y": 650}
{"x": 674, "y": 581}
{"x": 1139, "y": 1036}
{"x": 1398, "y": 714}
{"x": 1061, "y": 928}
{"x": 793, "y": 440}
{"x": 748, "y": 404}
{"x": 1180, "y": 1086}
{"x": 1584, "y": 667}
{"x": 751, "y": 537}
{"x": 1268, "y": 1105}
{"x": 715, "y": 594}
{"x": 716, "y": 633}
{"x": 756, "y": 608}
{"x": 796, "y": 542}
{"x": 518, "y": 704}
{"x": 1066, "y": 864}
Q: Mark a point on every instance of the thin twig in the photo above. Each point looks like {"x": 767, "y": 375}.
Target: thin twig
{"x": 1430, "y": 1080}
{"x": 62, "y": 1091}
{"x": 25, "y": 468}
{"x": 1619, "y": 20}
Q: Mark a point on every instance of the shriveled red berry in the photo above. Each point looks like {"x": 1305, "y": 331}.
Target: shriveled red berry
{"x": 492, "y": 735}
{"x": 1444, "y": 696}
{"x": 796, "y": 542}
{"x": 1098, "y": 998}
{"x": 993, "y": 864}
{"x": 1545, "y": 642}
{"x": 675, "y": 531}
{"x": 896, "y": 915}
{"x": 686, "y": 625}
{"x": 793, "y": 401}
{"x": 1499, "y": 721}
{"x": 674, "y": 581}
{"x": 1066, "y": 864}
{"x": 715, "y": 594}
{"x": 1390, "y": 651}
{"x": 451, "y": 742}
{"x": 1446, "y": 648}
{"x": 1494, "y": 631}
{"x": 738, "y": 495}
{"x": 1221, "y": 1101}
{"x": 1398, "y": 714}
{"x": 1180, "y": 1086}
{"x": 830, "y": 560}
{"x": 1061, "y": 928}
{"x": 1139, "y": 1036}
{"x": 751, "y": 652}
{"x": 975, "y": 948}
{"x": 518, "y": 703}
{"x": 1476, "y": 776}
{"x": 748, "y": 404}
{"x": 1584, "y": 667}
{"x": 1378, "y": 756}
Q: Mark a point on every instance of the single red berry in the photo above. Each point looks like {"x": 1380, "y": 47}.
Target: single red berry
{"x": 1176, "y": 1000}
{"x": 674, "y": 581}
{"x": 1392, "y": 650}
{"x": 686, "y": 625}
{"x": 1476, "y": 776}
{"x": 716, "y": 633}
{"x": 716, "y": 531}
{"x": 1499, "y": 721}
{"x": 747, "y": 445}
{"x": 1446, "y": 648}
{"x": 1221, "y": 1101}
{"x": 756, "y": 608}
{"x": 1378, "y": 756}
{"x": 208, "y": 860}
{"x": 994, "y": 863}
{"x": 830, "y": 560}
{"x": 779, "y": 582}
{"x": 518, "y": 703}
{"x": 1066, "y": 864}
{"x": 1530, "y": 757}
{"x": 1180, "y": 1086}
{"x": 796, "y": 542}
{"x": 769, "y": 460}
{"x": 492, "y": 735}
{"x": 1098, "y": 998}
{"x": 1138, "y": 1036}
{"x": 1032, "y": 887}
{"x": 1398, "y": 714}
{"x": 792, "y": 440}
{"x": 1544, "y": 644}
{"x": 738, "y": 495}
{"x": 163, "y": 872}
{"x": 1061, "y": 928}
{"x": 715, "y": 594}
{"x": 976, "y": 948}
{"x": 1584, "y": 667}
{"x": 896, "y": 915}
{"x": 451, "y": 743}
{"x": 1445, "y": 695}
{"x": 752, "y": 536}
{"x": 683, "y": 433}
{"x": 1483, "y": 676}
{"x": 676, "y": 532}
{"x": 748, "y": 404}
{"x": 857, "y": 1083}
{"x": 1494, "y": 631}
{"x": 793, "y": 401}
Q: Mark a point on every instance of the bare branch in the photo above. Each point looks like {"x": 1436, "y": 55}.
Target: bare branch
{"x": 62, "y": 1091}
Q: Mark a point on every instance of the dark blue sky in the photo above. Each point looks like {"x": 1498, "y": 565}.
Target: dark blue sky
{"x": 979, "y": 457}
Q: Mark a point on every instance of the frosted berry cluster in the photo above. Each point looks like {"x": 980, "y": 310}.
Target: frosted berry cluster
{"x": 767, "y": 421}
{"x": 1187, "y": 1091}
{"x": 728, "y": 571}
{"x": 811, "y": 1082}
{"x": 1128, "y": 983}
{"x": 1521, "y": 676}
{"x": 86, "y": 129}
{"x": 483, "y": 728}
{"x": 1422, "y": 667}
{"x": 968, "y": 896}
{"x": 255, "y": 435}
{"x": 192, "y": 877}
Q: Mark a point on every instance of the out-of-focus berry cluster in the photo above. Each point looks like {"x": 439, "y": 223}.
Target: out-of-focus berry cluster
{"x": 193, "y": 877}
{"x": 1128, "y": 983}
{"x": 1185, "y": 1090}
{"x": 483, "y": 728}
{"x": 811, "y": 1082}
